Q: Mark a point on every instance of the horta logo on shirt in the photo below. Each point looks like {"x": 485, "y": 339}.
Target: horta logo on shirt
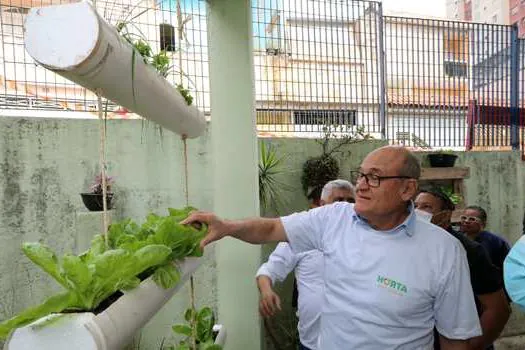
{"x": 392, "y": 285}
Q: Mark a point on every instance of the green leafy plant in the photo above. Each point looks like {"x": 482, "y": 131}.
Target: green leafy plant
{"x": 185, "y": 94}
{"x": 449, "y": 192}
{"x": 198, "y": 330}
{"x": 317, "y": 171}
{"x": 134, "y": 252}
{"x": 270, "y": 168}
{"x": 159, "y": 61}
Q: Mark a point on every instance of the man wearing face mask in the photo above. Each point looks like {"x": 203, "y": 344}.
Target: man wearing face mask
{"x": 485, "y": 278}
{"x": 309, "y": 270}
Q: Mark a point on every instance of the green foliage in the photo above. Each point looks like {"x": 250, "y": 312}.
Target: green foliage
{"x": 270, "y": 168}
{"x": 159, "y": 61}
{"x": 185, "y": 93}
{"x": 449, "y": 192}
{"x": 203, "y": 321}
{"x": 317, "y": 171}
{"x": 95, "y": 275}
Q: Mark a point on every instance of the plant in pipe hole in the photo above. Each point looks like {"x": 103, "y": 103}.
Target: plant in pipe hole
{"x": 130, "y": 253}
{"x": 202, "y": 334}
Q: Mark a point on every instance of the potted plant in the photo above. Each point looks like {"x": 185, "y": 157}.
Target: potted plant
{"x": 93, "y": 199}
{"x": 442, "y": 159}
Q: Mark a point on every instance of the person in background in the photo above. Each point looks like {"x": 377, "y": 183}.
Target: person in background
{"x": 514, "y": 273}
{"x": 485, "y": 278}
{"x": 473, "y": 222}
{"x": 309, "y": 268}
{"x": 390, "y": 277}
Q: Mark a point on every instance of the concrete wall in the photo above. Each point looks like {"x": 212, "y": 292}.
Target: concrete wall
{"x": 46, "y": 163}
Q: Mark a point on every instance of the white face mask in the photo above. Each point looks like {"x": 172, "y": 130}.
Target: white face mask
{"x": 423, "y": 215}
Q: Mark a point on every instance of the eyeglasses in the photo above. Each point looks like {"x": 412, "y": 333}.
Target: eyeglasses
{"x": 373, "y": 180}
{"x": 469, "y": 218}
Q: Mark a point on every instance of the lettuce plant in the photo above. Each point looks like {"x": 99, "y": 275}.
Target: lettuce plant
{"x": 133, "y": 252}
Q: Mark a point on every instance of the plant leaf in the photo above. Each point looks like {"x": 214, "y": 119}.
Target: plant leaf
{"x": 166, "y": 276}
{"x": 182, "y": 329}
{"x": 46, "y": 259}
{"x": 55, "y": 304}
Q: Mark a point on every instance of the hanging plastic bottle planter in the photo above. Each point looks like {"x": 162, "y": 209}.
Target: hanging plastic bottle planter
{"x": 73, "y": 40}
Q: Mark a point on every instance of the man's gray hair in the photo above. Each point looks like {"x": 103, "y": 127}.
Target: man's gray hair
{"x": 411, "y": 166}
{"x": 336, "y": 184}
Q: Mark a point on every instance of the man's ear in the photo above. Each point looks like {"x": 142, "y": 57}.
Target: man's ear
{"x": 409, "y": 190}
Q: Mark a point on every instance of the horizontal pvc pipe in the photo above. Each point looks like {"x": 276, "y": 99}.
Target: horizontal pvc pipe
{"x": 115, "y": 327}
{"x": 112, "y": 329}
{"x": 221, "y": 336}
{"x": 74, "y": 41}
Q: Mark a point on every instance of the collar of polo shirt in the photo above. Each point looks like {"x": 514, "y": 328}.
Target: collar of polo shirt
{"x": 407, "y": 226}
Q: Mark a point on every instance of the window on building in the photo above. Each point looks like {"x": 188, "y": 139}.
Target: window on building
{"x": 455, "y": 69}
{"x": 325, "y": 117}
{"x": 495, "y": 19}
{"x": 514, "y": 10}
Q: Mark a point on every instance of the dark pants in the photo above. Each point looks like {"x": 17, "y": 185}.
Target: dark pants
{"x": 302, "y": 347}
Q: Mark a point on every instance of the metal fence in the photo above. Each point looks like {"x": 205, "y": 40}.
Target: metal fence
{"x": 417, "y": 82}
{"x": 176, "y": 26}
{"x": 317, "y": 64}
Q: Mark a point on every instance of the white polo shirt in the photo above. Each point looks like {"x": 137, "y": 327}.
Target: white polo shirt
{"x": 309, "y": 269}
{"x": 386, "y": 289}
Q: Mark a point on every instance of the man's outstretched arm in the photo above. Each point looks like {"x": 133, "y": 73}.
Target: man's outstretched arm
{"x": 256, "y": 231}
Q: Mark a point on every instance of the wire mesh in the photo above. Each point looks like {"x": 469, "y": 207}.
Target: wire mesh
{"x": 318, "y": 64}
{"x": 176, "y": 26}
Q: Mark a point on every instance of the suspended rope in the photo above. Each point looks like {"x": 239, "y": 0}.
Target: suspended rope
{"x": 192, "y": 282}
{"x": 102, "y": 161}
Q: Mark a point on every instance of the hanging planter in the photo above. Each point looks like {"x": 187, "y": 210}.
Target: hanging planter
{"x": 442, "y": 160}
{"x": 74, "y": 41}
{"x": 111, "y": 329}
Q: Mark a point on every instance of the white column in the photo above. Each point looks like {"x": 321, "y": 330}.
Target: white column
{"x": 234, "y": 142}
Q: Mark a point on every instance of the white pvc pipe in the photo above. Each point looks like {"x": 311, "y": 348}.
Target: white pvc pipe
{"x": 112, "y": 329}
{"x": 115, "y": 327}
{"x": 74, "y": 41}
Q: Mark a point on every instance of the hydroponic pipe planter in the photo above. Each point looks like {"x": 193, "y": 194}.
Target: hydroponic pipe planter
{"x": 74, "y": 41}
{"x": 112, "y": 329}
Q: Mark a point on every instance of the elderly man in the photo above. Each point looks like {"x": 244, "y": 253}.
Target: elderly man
{"x": 390, "y": 277}
{"x": 487, "y": 284}
{"x": 309, "y": 269}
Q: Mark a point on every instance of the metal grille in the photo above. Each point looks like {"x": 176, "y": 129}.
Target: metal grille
{"x": 317, "y": 64}
{"x": 434, "y": 70}
{"x": 177, "y": 26}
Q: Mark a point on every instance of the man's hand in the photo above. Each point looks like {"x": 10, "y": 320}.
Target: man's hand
{"x": 217, "y": 228}
{"x": 270, "y": 302}
{"x": 255, "y": 231}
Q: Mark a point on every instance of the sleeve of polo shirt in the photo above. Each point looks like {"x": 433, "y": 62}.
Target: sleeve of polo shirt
{"x": 304, "y": 230}
{"x": 486, "y": 278}
{"x": 454, "y": 307}
{"x": 281, "y": 262}
{"x": 514, "y": 273}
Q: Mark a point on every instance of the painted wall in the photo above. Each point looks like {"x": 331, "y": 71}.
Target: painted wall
{"x": 46, "y": 163}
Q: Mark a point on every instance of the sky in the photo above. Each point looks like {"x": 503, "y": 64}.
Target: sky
{"x": 434, "y": 8}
